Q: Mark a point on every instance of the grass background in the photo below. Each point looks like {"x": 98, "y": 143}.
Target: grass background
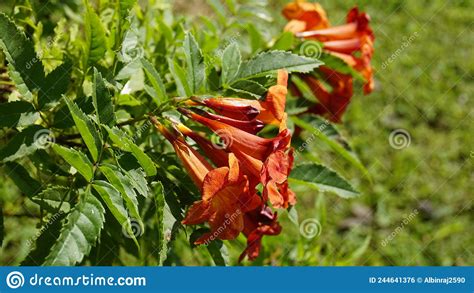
{"x": 418, "y": 210}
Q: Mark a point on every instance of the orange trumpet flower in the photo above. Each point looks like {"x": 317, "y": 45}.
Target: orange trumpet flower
{"x": 226, "y": 195}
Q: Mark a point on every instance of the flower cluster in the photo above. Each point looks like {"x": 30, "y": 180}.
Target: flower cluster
{"x": 229, "y": 176}
{"x": 351, "y": 42}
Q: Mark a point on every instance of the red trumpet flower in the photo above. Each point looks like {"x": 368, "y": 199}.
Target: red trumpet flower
{"x": 269, "y": 111}
{"x": 229, "y": 200}
{"x": 225, "y": 191}
{"x": 342, "y": 41}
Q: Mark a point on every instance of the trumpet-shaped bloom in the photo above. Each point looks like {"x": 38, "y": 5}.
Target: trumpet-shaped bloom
{"x": 271, "y": 110}
{"x": 332, "y": 101}
{"x": 342, "y": 41}
{"x": 226, "y": 195}
{"x": 229, "y": 201}
{"x": 305, "y": 15}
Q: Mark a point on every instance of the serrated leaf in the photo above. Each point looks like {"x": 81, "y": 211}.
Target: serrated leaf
{"x": 25, "y": 143}
{"x": 231, "y": 60}
{"x": 79, "y": 233}
{"x": 347, "y": 155}
{"x": 124, "y": 186}
{"x": 22, "y": 179}
{"x": 195, "y": 63}
{"x": 26, "y": 69}
{"x": 86, "y": 129}
{"x": 321, "y": 178}
{"x": 267, "y": 62}
{"x": 179, "y": 76}
{"x": 63, "y": 118}
{"x": 156, "y": 81}
{"x": 76, "y": 159}
{"x": 48, "y": 236}
{"x": 160, "y": 206}
{"x": 138, "y": 179}
{"x": 20, "y": 84}
{"x": 111, "y": 196}
{"x": 249, "y": 87}
{"x": 122, "y": 140}
{"x": 96, "y": 42}
{"x": 55, "y": 85}
{"x": 102, "y": 100}
{"x": 17, "y": 114}
{"x": 53, "y": 199}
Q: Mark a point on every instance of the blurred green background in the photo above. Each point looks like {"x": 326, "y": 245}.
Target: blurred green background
{"x": 418, "y": 209}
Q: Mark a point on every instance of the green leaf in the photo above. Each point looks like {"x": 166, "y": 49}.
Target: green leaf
{"x": 322, "y": 178}
{"x": 53, "y": 199}
{"x": 160, "y": 206}
{"x": 256, "y": 39}
{"x": 267, "y": 62}
{"x": 285, "y": 42}
{"x": 17, "y": 114}
{"x": 79, "y": 233}
{"x": 195, "y": 61}
{"x": 249, "y": 87}
{"x": 156, "y": 81}
{"x": 102, "y": 100}
{"x": 114, "y": 202}
{"x": 49, "y": 234}
{"x": 22, "y": 179}
{"x": 24, "y": 143}
{"x": 322, "y": 134}
{"x": 76, "y": 159}
{"x": 63, "y": 118}
{"x": 26, "y": 69}
{"x": 125, "y": 187}
{"x": 96, "y": 41}
{"x": 122, "y": 140}
{"x": 125, "y": 6}
{"x": 86, "y": 129}
{"x": 55, "y": 85}
{"x": 218, "y": 252}
{"x": 231, "y": 61}
{"x": 179, "y": 76}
